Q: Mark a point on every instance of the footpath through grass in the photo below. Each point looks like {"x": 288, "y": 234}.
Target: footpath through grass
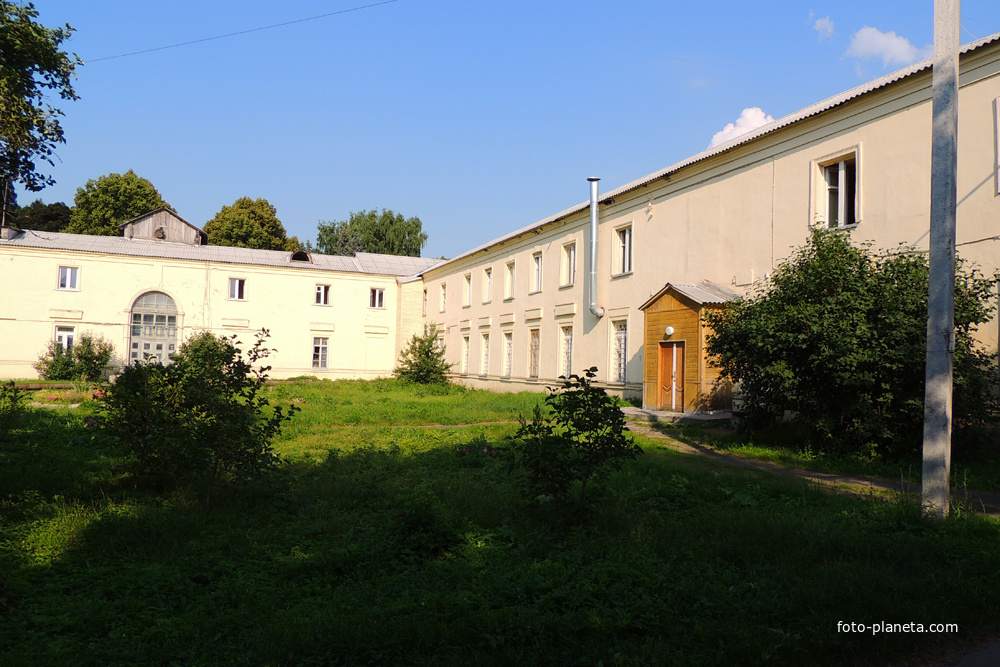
{"x": 380, "y": 541}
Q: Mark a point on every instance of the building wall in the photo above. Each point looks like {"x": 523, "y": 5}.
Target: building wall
{"x": 729, "y": 218}
{"x": 361, "y": 340}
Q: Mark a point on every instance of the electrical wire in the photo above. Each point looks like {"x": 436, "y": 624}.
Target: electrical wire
{"x": 243, "y": 32}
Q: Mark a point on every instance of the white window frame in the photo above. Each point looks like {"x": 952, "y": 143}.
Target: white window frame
{"x": 619, "y": 367}
{"x": 567, "y": 269}
{"x": 536, "y": 272}
{"x": 444, "y": 297}
{"x": 534, "y": 352}
{"x": 996, "y": 148}
{"x": 508, "y": 353}
{"x": 484, "y": 356}
{"x": 68, "y": 278}
{"x": 64, "y": 336}
{"x": 321, "y": 352}
{"x": 488, "y": 285}
{"x": 465, "y": 354}
{"x": 237, "y": 289}
{"x": 322, "y": 295}
{"x": 424, "y": 313}
{"x": 622, "y": 265}
{"x": 376, "y": 298}
{"x": 508, "y": 280}
{"x": 819, "y": 213}
{"x": 566, "y": 350}
{"x": 467, "y": 291}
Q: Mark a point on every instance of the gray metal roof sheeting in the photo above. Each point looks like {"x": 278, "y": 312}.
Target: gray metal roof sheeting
{"x": 704, "y": 293}
{"x": 802, "y": 114}
{"x": 368, "y": 263}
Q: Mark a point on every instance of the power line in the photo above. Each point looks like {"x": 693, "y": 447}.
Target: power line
{"x": 243, "y": 32}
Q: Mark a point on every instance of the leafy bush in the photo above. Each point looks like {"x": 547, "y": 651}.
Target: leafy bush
{"x": 87, "y": 359}
{"x": 838, "y": 336}
{"x": 583, "y": 438}
{"x": 11, "y": 407}
{"x": 423, "y": 361}
{"x": 200, "y": 421}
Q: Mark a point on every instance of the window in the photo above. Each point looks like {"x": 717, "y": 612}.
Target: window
{"x": 623, "y": 250}
{"x": 536, "y": 274}
{"x": 567, "y": 272}
{"x": 838, "y": 207}
{"x": 566, "y": 351}
{"x": 508, "y": 282}
{"x": 322, "y": 295}
{"x": 465, "y": 355}
{"x": 65, "y": 336}
{"x": 376, "y": 298}
{"x": 425, "y": 304}
{"x": 320, "y": 347}
{"x": 444, "y": 296}
{"x": 508, "y": 353}
{"x": 534, "y": 352}
{"x": 237, "y": 289}
{"x": 484, "y": 362}
{"x": 68, "y": 277}
{"x": 487, "y": 285}
{"x": 153, "y": 334}
{"x": 619, "y": 357}
{"x": 467, "y": 291}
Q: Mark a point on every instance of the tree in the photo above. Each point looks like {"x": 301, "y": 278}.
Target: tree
{"x": 32, "y": 67}
{"x": 382, "y": 232}
{"x": 837, "y": 338}
{"x": 423, "y": 361}
{"x": 87, "y": 359}
{"x": 249, "y": 223}
{"x": 53, "y": 217}
{"x": 103, "y": 204}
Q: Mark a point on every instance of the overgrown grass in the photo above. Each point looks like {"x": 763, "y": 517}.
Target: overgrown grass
{"x": 386, "y": 544}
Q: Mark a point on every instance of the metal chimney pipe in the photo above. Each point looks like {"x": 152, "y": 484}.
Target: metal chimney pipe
{"x": 594, "y": 308}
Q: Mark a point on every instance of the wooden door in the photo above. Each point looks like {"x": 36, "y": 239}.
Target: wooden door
{"x": 671, "y": 377}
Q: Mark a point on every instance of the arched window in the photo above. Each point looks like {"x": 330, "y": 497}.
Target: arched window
{"x": 154, "y": 328}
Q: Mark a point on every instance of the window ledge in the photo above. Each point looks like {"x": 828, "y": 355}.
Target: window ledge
{"x": 466, "y": 305}
{"x": 615, "y": 276}
{"x": 537, "y": 291}
{"x": 567, "y": 286}
{"x": 508, "y": 299}
{"x": 486, "y": 302}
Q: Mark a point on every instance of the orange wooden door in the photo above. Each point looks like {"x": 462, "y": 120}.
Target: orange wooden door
{"x": 671, "y": 377}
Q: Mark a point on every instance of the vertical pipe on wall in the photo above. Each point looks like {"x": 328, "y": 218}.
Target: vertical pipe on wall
{"x": 594, "y": 308}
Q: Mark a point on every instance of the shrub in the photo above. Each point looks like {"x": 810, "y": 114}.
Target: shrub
{"x": 86, "y": 360}
{"x": 423, "y": 361}
{"x": 583, "y": 438}
{"x": 837, "y": 337}
{"x": 200, "y": 421}
{"x": 11, "y": 407}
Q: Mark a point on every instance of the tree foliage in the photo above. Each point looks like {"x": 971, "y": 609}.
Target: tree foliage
{"x": 383, "y": 232}
{"x": 53, "y": 217}
{"x": 837, "y": 337}
{"x": 583, "y": 438}
{"x": 103, "y": 204}
{"x": 422, "y": 361}
{"x": 32, "y": 69}
{"x": 249, "y": 223}
{"x": 88, "y": 359}
{"x": 201, "y": 421}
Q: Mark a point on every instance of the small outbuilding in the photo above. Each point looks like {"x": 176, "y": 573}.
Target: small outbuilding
{"x": 677, "y": 376}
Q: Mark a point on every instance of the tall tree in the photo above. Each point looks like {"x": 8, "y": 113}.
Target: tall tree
{"x": 249, "y": 223}
{"x": 32, "y": 67}
{"x": 375, "y": 231}
{"x": 53, "y": 217}
{"x": 103, "y": 204}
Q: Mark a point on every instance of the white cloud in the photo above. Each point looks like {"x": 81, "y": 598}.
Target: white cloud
{"x": 824, "y": 27}
{"x": 893, "y": 49}
{"x": 749, "y": 120}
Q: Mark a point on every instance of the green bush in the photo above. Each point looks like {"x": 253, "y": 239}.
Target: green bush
{"x": 86, "y": 360}
{"x": 837, "y": 337}
{"x": 583, "y": 438}
{"x": 200, "y": 422}
{"x": 423, "y": 361}
{"x": 11, "y": 407}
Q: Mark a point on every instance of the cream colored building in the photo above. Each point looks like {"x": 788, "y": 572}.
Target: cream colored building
{"x": 155, "y": 286}
{"x": 517, "y": 312}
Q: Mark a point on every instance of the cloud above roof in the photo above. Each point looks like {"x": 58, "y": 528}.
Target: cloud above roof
{"x": 893, "y": 49}
{"x": 824, "y": 27}
{"x": 750, "y": 119}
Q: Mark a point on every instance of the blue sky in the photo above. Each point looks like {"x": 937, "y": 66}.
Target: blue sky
{"x": 477, "y": 117}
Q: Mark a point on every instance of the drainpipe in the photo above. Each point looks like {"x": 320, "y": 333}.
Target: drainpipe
{"x": 594, "y": 308}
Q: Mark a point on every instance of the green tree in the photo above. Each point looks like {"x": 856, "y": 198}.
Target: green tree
{"x": 249, "y": 223}
{"x": 103, "y": 204}
{"x": 837, "y": 337}
{"x": 383, "y": 232}
{"x": 53, "y": 217}
{"x": 422, "y": 361}
{"x": 87, "y": 359}
{"x": 32, "y": 69}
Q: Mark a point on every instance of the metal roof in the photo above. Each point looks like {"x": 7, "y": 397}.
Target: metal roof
{"x": 795, "y": 117}
{"x": 368, "y": 263}
{"x": 704, "y": 293}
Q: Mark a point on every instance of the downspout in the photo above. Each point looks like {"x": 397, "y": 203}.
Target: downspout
{"x": 594, "y": 308}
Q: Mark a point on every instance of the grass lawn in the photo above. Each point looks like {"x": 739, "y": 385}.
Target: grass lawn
{"x": 378, "y": 541}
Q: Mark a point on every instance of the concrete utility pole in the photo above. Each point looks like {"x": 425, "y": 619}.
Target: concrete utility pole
{"x": 936, "y": 472}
